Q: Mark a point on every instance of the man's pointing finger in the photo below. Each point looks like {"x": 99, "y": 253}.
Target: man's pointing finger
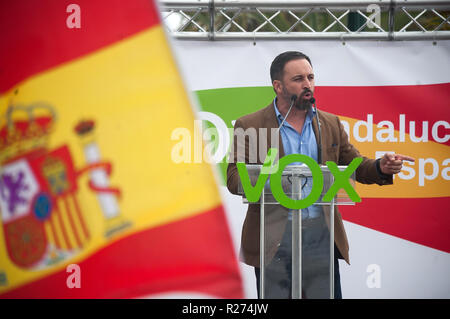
{"x": 404, "y": 158}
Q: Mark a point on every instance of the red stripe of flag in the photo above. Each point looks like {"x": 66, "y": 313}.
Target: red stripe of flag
{"x": 190, "y": 255}
{"x": 35, "y": 36}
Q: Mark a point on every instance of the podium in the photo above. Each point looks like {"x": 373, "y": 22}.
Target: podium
{"x": 297, "y": 245}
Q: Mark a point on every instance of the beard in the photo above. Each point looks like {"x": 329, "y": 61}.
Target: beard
{"x": 303, "y": 104}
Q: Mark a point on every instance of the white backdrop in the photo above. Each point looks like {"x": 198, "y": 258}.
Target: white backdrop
{"x": 382, "y": 265}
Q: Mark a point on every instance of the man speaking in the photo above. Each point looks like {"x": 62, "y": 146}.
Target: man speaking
{"x": 302, "y": 130}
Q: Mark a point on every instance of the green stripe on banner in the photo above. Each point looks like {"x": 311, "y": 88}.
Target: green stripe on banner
{"x": 230, "y": 104}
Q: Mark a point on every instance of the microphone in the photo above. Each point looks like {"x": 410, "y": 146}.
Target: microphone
{"x": 313, "y": 102}
{"x": 319, "y": 148}
{"x": 293, "y": 99}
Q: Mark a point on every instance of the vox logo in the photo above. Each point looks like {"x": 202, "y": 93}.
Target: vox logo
{"x": 341, "y": 180}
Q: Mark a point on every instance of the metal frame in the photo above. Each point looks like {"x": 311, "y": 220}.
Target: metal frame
{"x": 228, "y": 11}
{"x": 297, "y": 239}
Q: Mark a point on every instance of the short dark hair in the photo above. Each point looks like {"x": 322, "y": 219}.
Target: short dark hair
{"x": 277, "y": 67}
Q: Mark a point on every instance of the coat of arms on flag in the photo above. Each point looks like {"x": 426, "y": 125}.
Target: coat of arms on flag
{"x": 40, "y": 211}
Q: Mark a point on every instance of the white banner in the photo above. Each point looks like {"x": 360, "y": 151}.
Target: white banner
{"x": 390, "y": 96}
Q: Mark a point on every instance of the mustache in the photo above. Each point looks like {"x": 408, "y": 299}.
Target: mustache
{"x": 306, "y": 91}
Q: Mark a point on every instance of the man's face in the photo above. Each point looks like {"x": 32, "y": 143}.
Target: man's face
{"x": 298, "y": 78}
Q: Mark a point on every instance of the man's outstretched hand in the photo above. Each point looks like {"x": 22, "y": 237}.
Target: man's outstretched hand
{"x": 392, "y": 163}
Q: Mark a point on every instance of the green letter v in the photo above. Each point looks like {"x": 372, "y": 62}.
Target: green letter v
{"x": 254, "y": 193}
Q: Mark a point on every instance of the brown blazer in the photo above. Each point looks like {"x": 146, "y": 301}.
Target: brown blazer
{"x": 335, "y": 147}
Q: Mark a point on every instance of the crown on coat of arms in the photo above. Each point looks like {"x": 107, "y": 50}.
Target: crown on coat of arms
{"x": 24, "y": 129}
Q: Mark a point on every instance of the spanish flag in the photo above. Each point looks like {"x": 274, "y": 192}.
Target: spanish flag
{"x": 92, "y": 204}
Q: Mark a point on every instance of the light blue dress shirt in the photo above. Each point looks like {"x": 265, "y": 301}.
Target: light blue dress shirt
{"x": 304, "y": 143}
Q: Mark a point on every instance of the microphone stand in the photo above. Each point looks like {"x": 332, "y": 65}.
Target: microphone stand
{"x": 319, "y": 145}
{"x": 293, "y": 99}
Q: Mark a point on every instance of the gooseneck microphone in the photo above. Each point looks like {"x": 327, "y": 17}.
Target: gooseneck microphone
{"x": 313, "y": 102}
{"x": 319, "y": 145}
{"x": 293, "y": 99}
